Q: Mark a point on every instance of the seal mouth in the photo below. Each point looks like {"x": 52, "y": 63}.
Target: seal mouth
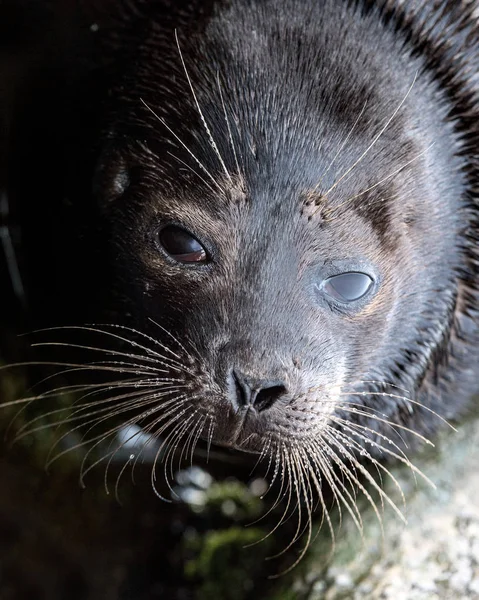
{"x": 243, "y": 415}
{"x": 245, "y": 430}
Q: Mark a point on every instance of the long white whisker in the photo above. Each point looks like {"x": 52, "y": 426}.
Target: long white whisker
{"x": 376, "y": 138}
{"x": 340, "y": 148}
{"x": 187, "y": 166}
{"x": 195, "y": 158}
{"x": 205, "y": 124}
{"x": 230, "y": 133}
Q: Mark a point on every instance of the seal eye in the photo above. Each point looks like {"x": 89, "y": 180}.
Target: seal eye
{"x": 348, "y": 287}
{"x": 181, "y": 245}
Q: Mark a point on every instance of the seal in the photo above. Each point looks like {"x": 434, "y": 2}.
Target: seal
{"x": 290, "y": 197}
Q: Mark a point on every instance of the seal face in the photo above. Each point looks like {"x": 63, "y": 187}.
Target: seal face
{"x": 296, "y": 222}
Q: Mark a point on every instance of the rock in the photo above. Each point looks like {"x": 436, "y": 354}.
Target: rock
{"x": 435, "y": 556}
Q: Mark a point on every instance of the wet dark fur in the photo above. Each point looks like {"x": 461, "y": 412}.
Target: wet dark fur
{"x": 297, "y": 77}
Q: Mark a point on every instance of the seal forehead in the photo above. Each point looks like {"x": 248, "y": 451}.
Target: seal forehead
{"x": 292, "y": 115}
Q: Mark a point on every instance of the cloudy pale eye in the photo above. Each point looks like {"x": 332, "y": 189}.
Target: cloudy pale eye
{"x": 181, "y": 245}
{"x": 348, "y": 287}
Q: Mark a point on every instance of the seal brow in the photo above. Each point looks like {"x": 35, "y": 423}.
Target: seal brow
{"x": 341, "y": 147}
{"x": 388, "y": 122}
{"x": 393, "y": 174}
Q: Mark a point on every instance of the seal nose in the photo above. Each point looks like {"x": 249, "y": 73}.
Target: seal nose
{"x": 259, "y": 393}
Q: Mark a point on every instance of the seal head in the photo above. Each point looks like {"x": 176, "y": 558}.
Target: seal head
{"x": 289, "y": 192}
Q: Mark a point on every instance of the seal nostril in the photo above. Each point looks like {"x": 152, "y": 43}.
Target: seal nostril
{"x": 266, "y": 397}
{"x": 260, "y": 393}
{"x": 242, "y": 390}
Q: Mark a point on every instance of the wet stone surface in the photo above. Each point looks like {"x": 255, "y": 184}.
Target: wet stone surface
{"x": 435, "y": 556}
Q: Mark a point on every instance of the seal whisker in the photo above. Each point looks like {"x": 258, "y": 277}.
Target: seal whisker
{"x": 390, "y": 176}
{"x": 93, "y": 423}
{"x": 102, "y": 437}
{"x": 230, "y": 133}
{"x": 153, "y": 340}
{"x": 139, "y": 398}
{"x": 356, "y": 429}
{"x": 373, "y": 432}
{"x": 322, "y": 460}
{"x": 284, "y": 468}
{"x": 264, "y": 452}
{"x": 98, "y": 329}
{"x": 343, "y": 144}
{"x": 98, "y": 439}
{"x": 323, "y": 467}
{"x": 347, "y": 405}
{"x": 319, "y": 464}
{"x": 128, "y": 461}
{"x": 279, "y": 466}
{"x": 111, "y": 455}
{"x": 303, "y": 491}
{"x": 187, "y": 166}
{"x": 187, "y": 432}
{"x": 281, "y": 471}
{"x": 73, "y": 368}
{"x": 195, "y": 158}
{"x": 90, "y": 391}
{"x": 375, "y": 139}
{"x": 289, "y": 509}
{"x": 304, "y": 476}
{"x": 352, "y": 436}
{"x": 349, "y": 441}
{"x": 161, "y": 449}
{"x": 375, "y": 413}
{"x": 203, "y": 120}
{"x": 163, "y": 362}
{"x": 386, "y": 421}
{"x": 196, "y": 438}
{"x": 406, "y": 399}
{"x": 341, "y": 443}
{"x": 380, "y": 382}
{"x": 152, "y": 435}
{"x": 177, "y": 341}
{"x": 210, "y": 438}
{"x": 148, "y": 359}
{"x": 171, "y": 443}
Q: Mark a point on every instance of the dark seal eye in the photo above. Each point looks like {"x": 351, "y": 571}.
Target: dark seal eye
{"x": 181, "y": 245}
{"x": 348, "y": 287}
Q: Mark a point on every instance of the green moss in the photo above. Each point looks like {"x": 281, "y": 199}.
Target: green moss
{"x": 225, "y": 568}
